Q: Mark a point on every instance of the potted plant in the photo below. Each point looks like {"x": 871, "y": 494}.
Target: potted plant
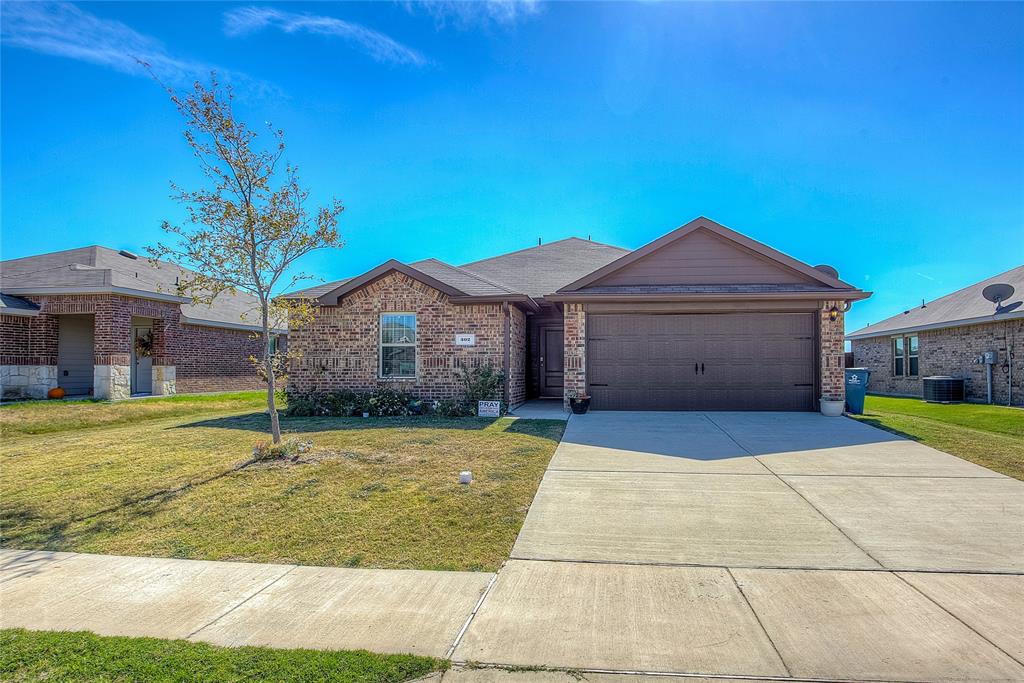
{"x": 832, "y": 407}
{"x": 579, "y": 403}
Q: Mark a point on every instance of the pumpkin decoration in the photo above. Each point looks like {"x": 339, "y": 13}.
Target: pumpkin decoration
{"x": 56, "y": 392}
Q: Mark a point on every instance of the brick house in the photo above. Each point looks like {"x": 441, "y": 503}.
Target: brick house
{"x": 106, "y": 323}
{"x": 946, "y": 337}
{"x": 701, "y": 319}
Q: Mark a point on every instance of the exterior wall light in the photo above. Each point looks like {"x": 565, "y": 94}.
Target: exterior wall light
{"x": 833, "y": 313}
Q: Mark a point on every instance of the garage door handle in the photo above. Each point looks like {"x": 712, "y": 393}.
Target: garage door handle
{"x": 803, "y": 385}
{"x": 695, "y": 368}
{"x": 702, "y": 368}
{"x": 598, "y": 385}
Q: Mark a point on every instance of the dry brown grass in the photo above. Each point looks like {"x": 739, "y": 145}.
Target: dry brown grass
{"x": 376, "y": 492}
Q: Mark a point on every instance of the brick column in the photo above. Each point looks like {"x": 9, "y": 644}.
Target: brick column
{"x": 575, "y": 365}
{"x": 112, "y": 355}
{"x": 833, "y": 384}
{"x": 164, "y": 369}
{"x": 28, "y": 355}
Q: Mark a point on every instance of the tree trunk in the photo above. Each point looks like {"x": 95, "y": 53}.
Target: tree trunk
{"x": 268, "y": 364}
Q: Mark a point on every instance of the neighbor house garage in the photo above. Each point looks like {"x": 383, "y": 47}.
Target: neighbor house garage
{"x": 703, "y": 318}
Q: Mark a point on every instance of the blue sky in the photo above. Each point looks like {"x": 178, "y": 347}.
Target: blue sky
{"x": 884, "y": 139}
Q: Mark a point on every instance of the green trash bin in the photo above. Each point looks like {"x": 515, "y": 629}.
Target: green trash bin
{"x": 856, "y": 388}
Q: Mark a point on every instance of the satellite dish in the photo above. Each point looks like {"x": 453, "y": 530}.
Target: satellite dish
{"x": 998, "y": 293}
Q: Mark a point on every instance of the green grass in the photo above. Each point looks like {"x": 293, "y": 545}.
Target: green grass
{"x": 49, "y": 417}
{"x": 80, "y": 656}
{"x": 379, "y": 492}
{"x": 991, "y": 436}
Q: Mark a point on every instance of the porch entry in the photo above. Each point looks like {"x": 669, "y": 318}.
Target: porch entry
{"x": 142, "y": 361}
{"x": 552, "y": 369}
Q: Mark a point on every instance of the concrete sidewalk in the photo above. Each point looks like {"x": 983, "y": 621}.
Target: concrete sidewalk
{"x": 239, "y": 603}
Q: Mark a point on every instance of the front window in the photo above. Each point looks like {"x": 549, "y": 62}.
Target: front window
{"x": 912, "y": 356}
{"x": 398, "y": 345}
{"x": 904, "y": 356}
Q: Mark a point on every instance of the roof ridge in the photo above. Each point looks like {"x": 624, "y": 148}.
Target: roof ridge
{"x": 541, "y": 246}
{"x": 944, "y": 296}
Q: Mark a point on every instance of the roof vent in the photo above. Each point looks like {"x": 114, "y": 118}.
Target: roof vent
{"x": 828, "y": 270}
{"x": 128, "y": 254}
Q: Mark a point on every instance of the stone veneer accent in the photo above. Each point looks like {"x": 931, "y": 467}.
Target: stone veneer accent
{"x": 194, "y": 358}
{"x": 575, "y": 359}
{"x": 113, "y": 382}
{"x": 950, "y": 351}
{"x": 27, "y": 381}
{"x": 339, "y": 348}
{"x": 164, "y": 380}
{"x": 832, "y": 359}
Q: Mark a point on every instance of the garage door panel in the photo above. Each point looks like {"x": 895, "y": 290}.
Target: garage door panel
{"x": 745, "y": 361}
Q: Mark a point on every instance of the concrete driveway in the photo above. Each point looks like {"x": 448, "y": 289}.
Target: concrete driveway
{"x": 761, "y": 544}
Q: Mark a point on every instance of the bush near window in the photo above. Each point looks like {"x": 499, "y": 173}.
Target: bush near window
{"x": 484, "y": 383}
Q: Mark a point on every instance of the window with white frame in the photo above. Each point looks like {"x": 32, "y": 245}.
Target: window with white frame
{"x": 904, "y": 356}
{"x": 398, "y": 345}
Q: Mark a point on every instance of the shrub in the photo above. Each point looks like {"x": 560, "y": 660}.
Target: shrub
{"x": 386, "y": 401}
{"x": 450, "y": 408}
{"x": 482, "y": 383}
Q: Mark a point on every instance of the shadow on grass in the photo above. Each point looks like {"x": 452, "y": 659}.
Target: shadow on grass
{"x": 259, "y": 422}
{"x": 878, "y": 424}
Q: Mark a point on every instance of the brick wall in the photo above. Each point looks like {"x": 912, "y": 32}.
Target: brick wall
{"x": 339, "y": 348}
{"x": 832, "y": 360}
{"x": 951, "y": 351}
{"x": 517, "y": 357}
{"x": 575, "y": 361}
{"x": 206, "y": 358}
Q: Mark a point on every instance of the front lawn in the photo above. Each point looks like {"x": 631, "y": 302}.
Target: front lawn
{"x": 47, "y": 417}
{"x": 375, "y": 492}
{"x": 991, "y": 436}
{"x": 80, "y": 656}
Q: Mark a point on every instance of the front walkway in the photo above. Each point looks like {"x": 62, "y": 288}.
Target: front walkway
{"x": 786, "y": 546}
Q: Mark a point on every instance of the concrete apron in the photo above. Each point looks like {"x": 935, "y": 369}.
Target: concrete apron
{"x": 760, "y": 546}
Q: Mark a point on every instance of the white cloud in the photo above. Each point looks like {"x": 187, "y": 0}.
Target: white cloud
{"x": 477, "y": 13}
{"x": 382, "y": 48}
{"x": 64, "y": 30}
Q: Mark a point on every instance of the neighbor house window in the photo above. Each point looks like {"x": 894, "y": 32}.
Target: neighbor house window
{"x": 398, "y": 345}
{"x": 904, "y": 356}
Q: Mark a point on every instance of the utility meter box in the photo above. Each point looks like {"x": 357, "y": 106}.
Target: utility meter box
{"x": 991, "y": 357}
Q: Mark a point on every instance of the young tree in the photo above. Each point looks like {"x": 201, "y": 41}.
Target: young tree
{"x": 247, "y": 229}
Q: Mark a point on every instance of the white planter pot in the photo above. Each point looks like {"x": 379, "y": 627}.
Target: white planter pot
{"x": 831, "y": 408}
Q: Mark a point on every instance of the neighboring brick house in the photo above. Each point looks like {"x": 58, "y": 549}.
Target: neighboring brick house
{"x": 99, "y": 322}
{"x": 700, "y": 319}
{"x": 946, "y": 337}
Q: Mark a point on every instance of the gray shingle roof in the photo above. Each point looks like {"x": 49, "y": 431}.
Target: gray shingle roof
{"x": 534, "y": 272}
{"x": 963, "y": 306}
{"x": 13, "y": 305}
{"x": 460, "y": 278}
{"x": 100, "y": 269}
{"x": 546, "y": 268}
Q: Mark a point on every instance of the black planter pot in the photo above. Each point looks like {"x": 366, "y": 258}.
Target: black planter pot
{"x": 579, "y": 405}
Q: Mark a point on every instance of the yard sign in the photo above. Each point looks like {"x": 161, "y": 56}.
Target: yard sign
{"x": 488, "y": 408}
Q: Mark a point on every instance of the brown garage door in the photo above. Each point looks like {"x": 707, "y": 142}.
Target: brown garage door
{"x": 729, "y": 361}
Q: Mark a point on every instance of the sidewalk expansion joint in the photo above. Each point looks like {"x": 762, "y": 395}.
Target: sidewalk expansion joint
{"x": 247, "y": 599}
{"x": 469, "y": 619}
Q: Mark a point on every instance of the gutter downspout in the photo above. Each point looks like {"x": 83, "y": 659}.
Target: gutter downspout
{"x": 505, "y": 362}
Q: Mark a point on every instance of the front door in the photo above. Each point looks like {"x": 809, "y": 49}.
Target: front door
{"x": 552, "y": 372}
{"x": 142, "y": 363}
